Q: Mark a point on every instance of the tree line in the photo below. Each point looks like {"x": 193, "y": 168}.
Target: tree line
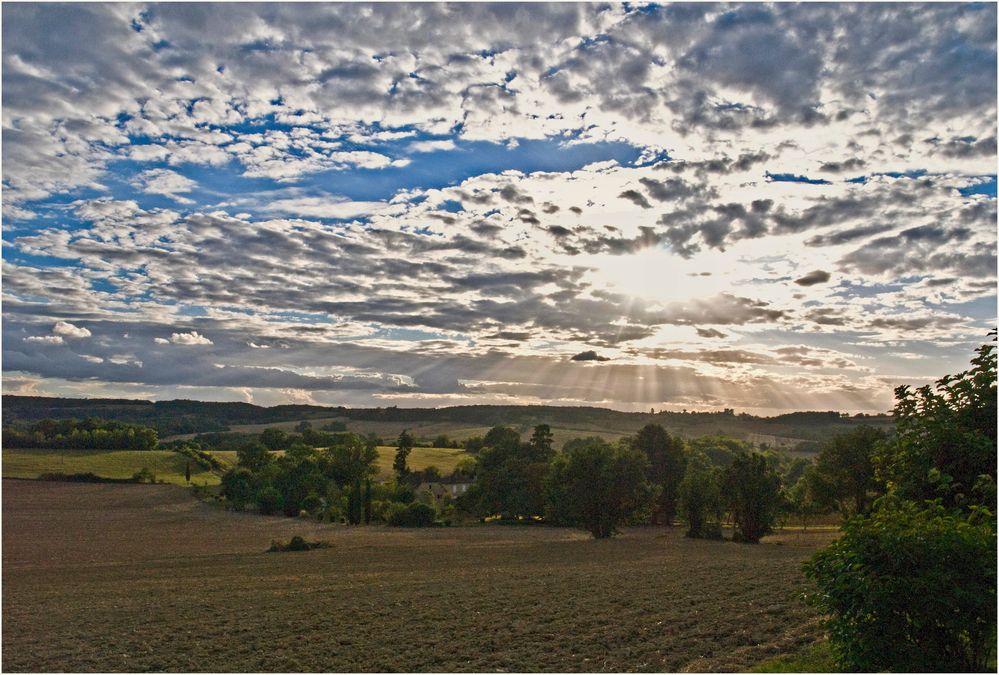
{"x": 91, "y": 433}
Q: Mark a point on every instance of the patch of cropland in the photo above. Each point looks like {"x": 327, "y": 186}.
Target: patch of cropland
{"x": 168, "y": 466}
{"x": 136, "y": 578}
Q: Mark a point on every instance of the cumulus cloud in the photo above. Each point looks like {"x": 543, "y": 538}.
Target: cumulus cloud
{"x": 192, "y": 338}
{"x": 45, "y": 339}
{"x": 67, "y": 329}
{"x": 165, "y": 182}
{"x": 503, "y": 186}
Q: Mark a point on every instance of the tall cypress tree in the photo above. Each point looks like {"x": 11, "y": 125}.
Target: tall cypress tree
{"x": 355, "y": 505}
{"x": 367, "y": 501}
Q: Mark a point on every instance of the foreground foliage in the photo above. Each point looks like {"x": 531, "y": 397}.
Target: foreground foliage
{"x": 912, "y": 586}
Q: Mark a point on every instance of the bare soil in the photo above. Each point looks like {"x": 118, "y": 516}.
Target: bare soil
{"x": 139, "y": 578}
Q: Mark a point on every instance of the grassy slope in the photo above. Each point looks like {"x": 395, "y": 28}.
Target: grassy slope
{"x": 168, "y": 466}
{"x": 445, "y": 459}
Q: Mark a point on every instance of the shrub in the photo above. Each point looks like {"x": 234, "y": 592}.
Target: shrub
{"x": 312, "y": 503}
{"x": 415, "y": 514}
{"x": 910, "y": 588}
{"x": 269, "y": 501}
{"x": 297, "y": 543}
{"x": 144, "y": 475}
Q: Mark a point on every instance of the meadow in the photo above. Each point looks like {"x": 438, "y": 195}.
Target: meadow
{"x": 103, "y": 577}
{"x": 168, "y": 466}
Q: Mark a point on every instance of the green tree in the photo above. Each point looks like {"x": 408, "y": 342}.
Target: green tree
{"x": 510, "y": 476}
{"x": 403, "y": 447}
{"x": 269, "y": 500}
{"x": 350, "y": 459}
{"x": 237, "y": 487}
{"x": 254, "y": 457}
{"x": 751, "y": 490}
{"x": 666, "y": 464}
{"x": 542, "y": 439}
{"x": 187, "y": 471}
{"x": 806, "y": 499}
{"x": 699, "y": 499}
{"x": 274, "y": 439}
{"x": 598, "y": 487}
{"x": 846, "y": 465}
{"x": 945, "y": 436}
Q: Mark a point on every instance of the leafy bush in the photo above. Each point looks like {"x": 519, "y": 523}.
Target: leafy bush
{"x": 946, "y": 437}
{"x": 910, "y": 589}
{"x": 144, "y": 475}
{"x": 415, "y": 514}
{"x": 297, "y": 543}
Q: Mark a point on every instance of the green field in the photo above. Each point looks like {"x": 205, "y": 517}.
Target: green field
{"x": 168, "y": 466}
{"x": 445, "y": 459}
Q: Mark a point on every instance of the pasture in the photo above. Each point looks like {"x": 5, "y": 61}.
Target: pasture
{"x": 139, "y": 577}
{"x": 168, "y": 466}
{"x": 445, "y": 459}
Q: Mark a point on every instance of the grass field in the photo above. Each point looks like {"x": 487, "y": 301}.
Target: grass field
{"x": 168, "y": 466}
{"x": 138, "y": 577}
{"x": 445, "y": 459}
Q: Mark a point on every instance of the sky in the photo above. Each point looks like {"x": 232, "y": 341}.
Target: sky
{"x": 689, "y": 206}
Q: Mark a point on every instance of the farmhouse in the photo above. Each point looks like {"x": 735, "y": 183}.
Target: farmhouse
{"x": 445, "y": 488}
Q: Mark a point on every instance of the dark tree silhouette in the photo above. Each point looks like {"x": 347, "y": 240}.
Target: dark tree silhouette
{"x": 666, "y": 464}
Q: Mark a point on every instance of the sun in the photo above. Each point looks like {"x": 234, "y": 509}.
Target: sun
{"x": 654, "y": 275}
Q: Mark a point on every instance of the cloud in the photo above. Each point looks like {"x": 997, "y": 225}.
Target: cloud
{"x": 503, "y": 186}
{"x": 636, "y": 198}
{"x": 812, "y": 278}
{"x": 589, "y": 356}
{"x": 432, "y": 146}
{"x": 45, "y": 339}
{"x": 165, "y": 182}
{"x": 67, "y": 329}
{"x": 192, "y": 338}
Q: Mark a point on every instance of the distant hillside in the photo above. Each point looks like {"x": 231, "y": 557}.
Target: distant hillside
{"x": 171, "y": 418}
